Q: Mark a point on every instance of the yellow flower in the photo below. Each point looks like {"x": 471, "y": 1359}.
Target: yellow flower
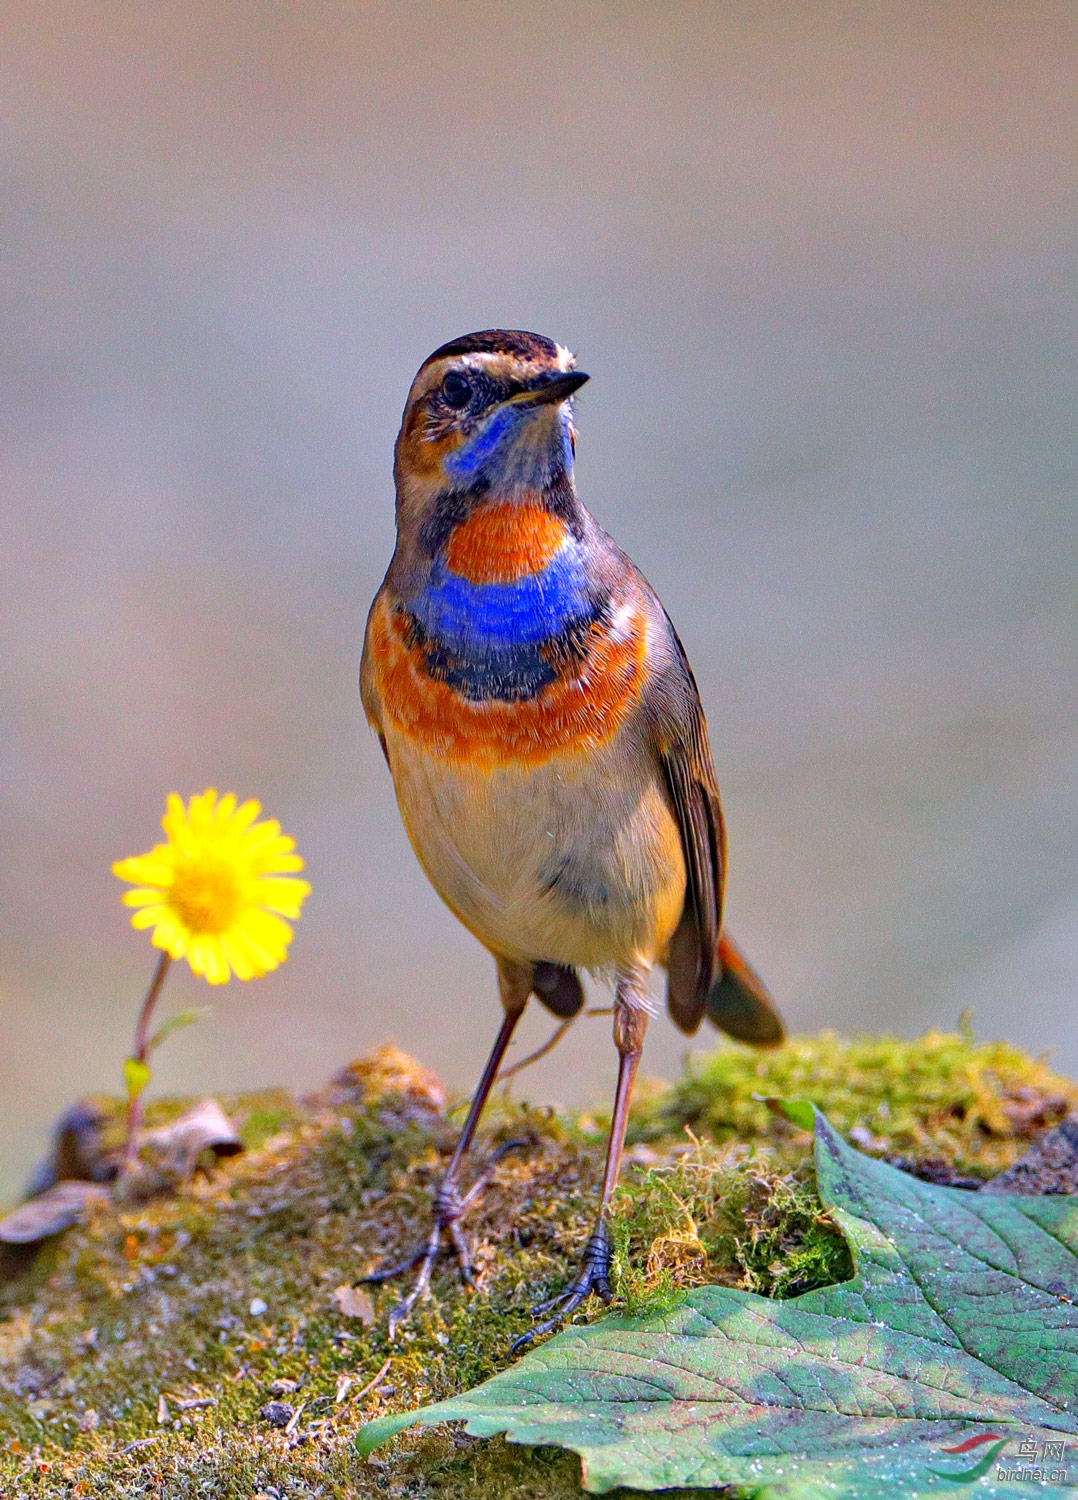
{"x": 217, "y": 891}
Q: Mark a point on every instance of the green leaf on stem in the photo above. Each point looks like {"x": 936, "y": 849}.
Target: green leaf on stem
{"x": 176, "y": 1023}
{"x": 136, "y": 1077}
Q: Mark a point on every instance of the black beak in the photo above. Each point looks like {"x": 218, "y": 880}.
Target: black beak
{"x": 547, "y": 390}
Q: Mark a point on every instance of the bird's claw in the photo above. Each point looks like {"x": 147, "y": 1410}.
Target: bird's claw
{"x": 450, "y": 1206}
{"x": 593, "y": 1276}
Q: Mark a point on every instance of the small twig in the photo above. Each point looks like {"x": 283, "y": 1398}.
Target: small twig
{"x": 293, "y": 1421}
{"x": 373, "y": 1381}
{"x": 194, "y": 1403}
{"x": 550, "y": 1043}
{"x": 138, "y": 1443}
{"x": 548, "y": 1046}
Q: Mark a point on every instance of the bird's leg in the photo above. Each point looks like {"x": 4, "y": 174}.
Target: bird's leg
{"x": 631, "y": 1013}
{"x": 514, "y": 982}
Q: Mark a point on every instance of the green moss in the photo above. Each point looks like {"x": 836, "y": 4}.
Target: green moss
{"x": 731, "y": 1216}
{"x": 942, "y": 1096}
{"x": 163, "y": 1302}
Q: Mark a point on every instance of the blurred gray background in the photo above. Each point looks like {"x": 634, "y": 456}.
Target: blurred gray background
{"x": 820, "y": 262}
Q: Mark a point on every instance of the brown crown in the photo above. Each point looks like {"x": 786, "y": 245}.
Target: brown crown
{"x": 514, "y": 341}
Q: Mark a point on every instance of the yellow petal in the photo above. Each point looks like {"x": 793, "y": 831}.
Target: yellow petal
{"x": 175, "y": 815}
{"x": 225, "y": 808}
{"x": 173, "y": 943}
{"x": 195, "y": 959}
{"x": 148, "y": 916}
{"x": 245, "y": 815}
{"x": 238, "y": 957}
{"x": 146, "y": 869}
{"x": 145, "y": 896}
{"x": 268, "y": 931}
{"x": 198, "y": 956}
{"x": 181, "y": 838}
{"x": 284, "y": 896}
{"x": 260, "y": 959}
{"x": 262, "y": 836}
{"x": 280, "y": 864}
{"x": 200, "y": 811}
{"x": 170, "y": 935}
{"x": 217, "y": 967}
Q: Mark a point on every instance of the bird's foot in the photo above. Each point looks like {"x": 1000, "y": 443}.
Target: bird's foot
{"x": 593, "y": 1276}
{"x": 450, "y": 1206}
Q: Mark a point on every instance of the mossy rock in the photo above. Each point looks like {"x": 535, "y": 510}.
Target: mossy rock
{"x": 138, "y": 1350}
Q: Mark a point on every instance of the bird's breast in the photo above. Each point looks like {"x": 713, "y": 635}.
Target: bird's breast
{"x": 511, "y": 652}
{"x": 575, "y": 861}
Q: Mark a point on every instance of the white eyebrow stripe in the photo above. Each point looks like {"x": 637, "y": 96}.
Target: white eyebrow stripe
{"x": 496, "y": 360}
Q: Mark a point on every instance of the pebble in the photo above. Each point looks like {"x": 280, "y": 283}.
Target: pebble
{"x": 277, "y": 1413}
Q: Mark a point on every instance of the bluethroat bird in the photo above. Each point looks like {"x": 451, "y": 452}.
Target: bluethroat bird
{"x": 546, "y": 740}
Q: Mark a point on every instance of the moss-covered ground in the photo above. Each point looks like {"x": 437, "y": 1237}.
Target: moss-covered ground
{"x": 138, "y": 1351}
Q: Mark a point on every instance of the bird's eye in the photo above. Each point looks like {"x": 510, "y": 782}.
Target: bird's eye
{"x": 456, "y": 389}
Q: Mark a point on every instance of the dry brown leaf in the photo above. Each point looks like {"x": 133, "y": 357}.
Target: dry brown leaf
{"x": 63, "y": 1205}
{"x": 354, "y": 1302}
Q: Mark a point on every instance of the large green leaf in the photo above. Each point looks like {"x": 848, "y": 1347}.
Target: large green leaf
{"x": 960, "y": 1322}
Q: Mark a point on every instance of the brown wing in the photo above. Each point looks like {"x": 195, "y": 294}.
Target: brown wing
{"x": 681, "y": 745}
{"x": 706, "y": 972}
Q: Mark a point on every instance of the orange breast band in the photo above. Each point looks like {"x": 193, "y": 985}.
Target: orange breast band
{"x": 503, "y": 542}
{"x": 571, "y": 714}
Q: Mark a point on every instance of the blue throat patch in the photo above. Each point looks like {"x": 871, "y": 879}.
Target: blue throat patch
{"x": 500, "y": 455}
{"x": 493, "y": 640}
{"x": 493, "y": 616}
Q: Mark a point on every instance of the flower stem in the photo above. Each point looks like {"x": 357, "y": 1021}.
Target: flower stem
{"x": 139, "y": 1052}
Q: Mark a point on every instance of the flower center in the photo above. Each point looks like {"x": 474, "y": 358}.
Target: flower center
{"x": 205, "y": 895}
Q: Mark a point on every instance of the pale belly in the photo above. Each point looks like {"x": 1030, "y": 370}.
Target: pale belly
{"x": 577, "y": 861}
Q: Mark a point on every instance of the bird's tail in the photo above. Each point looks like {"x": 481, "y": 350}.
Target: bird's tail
{"x": 738, "y": 1002}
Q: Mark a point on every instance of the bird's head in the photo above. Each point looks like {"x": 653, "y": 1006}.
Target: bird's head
{"x": 488, "y": 413}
